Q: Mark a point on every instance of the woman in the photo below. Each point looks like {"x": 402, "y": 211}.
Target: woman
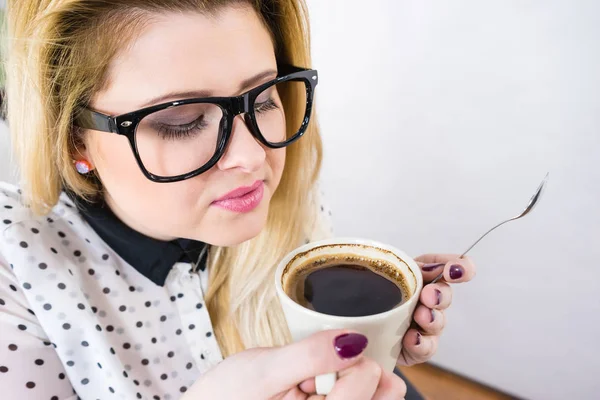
{"x": 140, "y": 252}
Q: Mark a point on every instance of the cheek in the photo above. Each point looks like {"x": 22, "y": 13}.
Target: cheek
{"x": 276, "y": 161}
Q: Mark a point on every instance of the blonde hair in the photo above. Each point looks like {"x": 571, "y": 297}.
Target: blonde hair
{"x": 58, "y": 55}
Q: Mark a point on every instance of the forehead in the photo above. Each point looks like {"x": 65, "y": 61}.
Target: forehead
{"x": 188, "y": 52}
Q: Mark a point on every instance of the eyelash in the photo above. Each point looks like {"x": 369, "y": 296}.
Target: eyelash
{"x": 168, "y": 132}
{"x": 266, "y": 106}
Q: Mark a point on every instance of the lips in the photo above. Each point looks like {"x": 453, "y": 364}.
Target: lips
{"x": 243, "y": 199}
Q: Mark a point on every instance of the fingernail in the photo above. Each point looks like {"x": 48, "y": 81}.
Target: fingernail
{"x": 350, "y": 345}
{"x": 456, "y": 272}
{"x": 432, "y": 315}
{"x": 438, "y": 296}
{"x": 431, "y": 267}
{"x": 418, "y": 342}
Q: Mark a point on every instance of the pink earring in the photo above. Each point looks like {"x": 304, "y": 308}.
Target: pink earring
{"x": 83, "y": 166}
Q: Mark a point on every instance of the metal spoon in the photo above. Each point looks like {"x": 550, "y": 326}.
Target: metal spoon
{"x": 534, "y": 200}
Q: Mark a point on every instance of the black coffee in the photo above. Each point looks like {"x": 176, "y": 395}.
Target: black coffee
{"x": 347, "y": 288}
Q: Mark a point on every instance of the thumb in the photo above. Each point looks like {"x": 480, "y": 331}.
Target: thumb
{"x": 320, "y": 353}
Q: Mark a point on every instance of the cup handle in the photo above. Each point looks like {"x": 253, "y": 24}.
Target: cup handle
{"x": 324, "y": 383}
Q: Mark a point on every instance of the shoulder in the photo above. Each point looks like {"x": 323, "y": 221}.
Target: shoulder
{"x": 25, "y": 235}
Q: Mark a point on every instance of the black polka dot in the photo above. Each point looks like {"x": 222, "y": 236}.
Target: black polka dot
{"x": 61, "y": 286}
{"x": 70, "y": 363}
{"x": 111, "y": 389}
{"x": 2, "y": 303}
{"x": 3, "y": 369}
{"x": 77, "y": 253}
{"x": 118, "y": 272}
{"x": 30, "y": 311}
{"x": 122, "y": 308}
{"x": 85, "y": 344}
{"x": 199, "y": 306}
{"x": 85, "y": 381}
{"x": 26, "y": 286}
{"x": 147, "y": 304}
{"x": 208, "y": 334}
{"x": 54, "y": 398}
{"x": 81, "y": 306}
{"x": 13, "y": 288}
{"x": 91, "y": 271}
{"x": 7, "y": 221}
{"x": 173, "y": 298}
{"x": 145, "y": 361}
{"x": 39, "y": 361}
{"x": 46, "y": 343}
{"x": 22, "y": 327}
{"x": 105, "y": 257}
{"x": 136, "y": 382}
{"x": 139, "y": 324}
{"x": 106, "y": 290}
{"x": 126, "y": 346}
{"x": 125, "y": 374}
{"x": 25, "y": 245}
{"x": 180, "y": 295}
{"x": 156, "y": 397}
{"x": 53, "y": 250}
{"x": 61, "y": 376}
{"x": 192, "y": 326}
{"x": 170, "y": 354}
{"x": 138, "y": 395}
{"x": 110, "y": 328}
{"x": 35, "y": 230}
{"x": 47, "y": 306}
{"x": 183, "y": 389}
{"x": 98, "y": 328}
{"x": 164, "y": 377}
{"x": 8, "y": 207}
{"x": 94, "y": 309}
{"x": 189, "y": 366}
{"x": 163, "y": 318}
{"x": 112, "y": 351}
{"x": 202, "y": 356}
{"x": 30, "y": 385}
{"x": 61, "y": 234}
{"x": 131, "y": 289}
{"x": 154, "y": 340}
{"x": 99, "y": 365}
{"x": 66, "y": 326}
{"x": 178, "y": 332}
{"x": 50, "y": 220}
{"x": 42, "y": 265}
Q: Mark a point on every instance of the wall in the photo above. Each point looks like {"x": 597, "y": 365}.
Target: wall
{"x": 440, "y": 119}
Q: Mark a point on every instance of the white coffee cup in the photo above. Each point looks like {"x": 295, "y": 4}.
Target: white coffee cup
{"x": 384, "y": 331}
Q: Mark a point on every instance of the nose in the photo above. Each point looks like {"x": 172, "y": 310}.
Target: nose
{"x": 243, "y": 151}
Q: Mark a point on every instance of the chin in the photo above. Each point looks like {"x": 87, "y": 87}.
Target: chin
{"x": 234, "y": 229}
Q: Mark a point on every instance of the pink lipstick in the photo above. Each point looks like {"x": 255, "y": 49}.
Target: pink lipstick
{"x": 243, "y": 199}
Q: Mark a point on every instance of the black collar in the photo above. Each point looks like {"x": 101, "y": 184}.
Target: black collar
{"x": 152, "y": 258}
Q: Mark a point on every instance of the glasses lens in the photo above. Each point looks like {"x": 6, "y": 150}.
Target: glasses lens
{"x": 280, "y": 109}
{"x": 180, "y": 139}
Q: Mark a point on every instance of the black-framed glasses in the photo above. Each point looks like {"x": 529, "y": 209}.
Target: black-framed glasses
{"x": 181, "y": 139}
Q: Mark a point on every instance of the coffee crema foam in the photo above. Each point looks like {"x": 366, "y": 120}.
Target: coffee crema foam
{"x": 293, "y": 280}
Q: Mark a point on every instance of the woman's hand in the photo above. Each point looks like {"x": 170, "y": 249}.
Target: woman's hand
{"x": 420, "y": 344}
{"x": 287, "y": 373}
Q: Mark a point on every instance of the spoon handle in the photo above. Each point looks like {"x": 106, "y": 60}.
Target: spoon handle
{"x": 441, "y": 275}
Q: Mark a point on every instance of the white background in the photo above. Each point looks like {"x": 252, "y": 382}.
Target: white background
{"x": 440, "y": 119}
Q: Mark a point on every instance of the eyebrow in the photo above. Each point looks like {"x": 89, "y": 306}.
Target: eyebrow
{"x": 247, "y": 83}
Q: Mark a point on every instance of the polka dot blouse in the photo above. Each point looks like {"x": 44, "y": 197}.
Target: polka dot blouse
{"x": 90, "y": 309}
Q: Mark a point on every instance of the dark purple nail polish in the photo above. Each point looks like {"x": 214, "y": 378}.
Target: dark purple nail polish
{"x": 432, "y": 315}
{"x": 431, "y": 267}
{"x": 418, "y": 342}
{"x": 438, "y": 296}
{"x": 350, "y": 345}
{"x": 456, "y": 272}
